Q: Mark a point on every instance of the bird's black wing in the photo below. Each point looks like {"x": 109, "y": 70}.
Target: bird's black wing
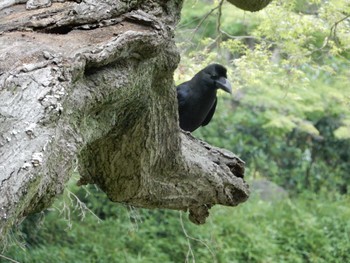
{"x": 182, "y": 93}
{"x": 210, "y": 114}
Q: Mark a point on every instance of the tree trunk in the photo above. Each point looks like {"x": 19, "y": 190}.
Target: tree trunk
{"x": 91, "y": 84}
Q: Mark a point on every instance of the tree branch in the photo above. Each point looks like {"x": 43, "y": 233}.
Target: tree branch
{"x": 97, "y": 86}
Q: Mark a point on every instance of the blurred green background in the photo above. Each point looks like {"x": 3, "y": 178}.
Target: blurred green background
{"x": 288, "y": 119}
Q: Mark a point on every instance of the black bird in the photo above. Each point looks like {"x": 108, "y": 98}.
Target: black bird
{"x": 197, "y": 97}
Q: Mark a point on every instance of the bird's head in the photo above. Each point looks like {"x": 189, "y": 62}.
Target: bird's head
{"x": 217, "y": 74}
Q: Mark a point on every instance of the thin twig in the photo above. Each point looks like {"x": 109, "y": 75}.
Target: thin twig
{"x": 202, "y": 21}
{"x": 332, "y": 35}
{"x": 334, "y": 27}
{"x": 134, "y": 217}
{"x": 9, "y": 259}
{"x": 81, "y": 206}
{"x": 212, "y": 43}
{"x": 218, "y": 24}
{"x": 189, "y": 251}
{"x": 195, "y": 239}
{"x": 238, "y": 37}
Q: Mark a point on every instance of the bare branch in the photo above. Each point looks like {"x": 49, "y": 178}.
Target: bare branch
{"x": 332, "y": 35}
{"x": 202, "y": 20}
{"x": 333, "y": 32}
{"x": 195, "y": 239}
{"x": 218, "y": 24}
{"x": 83, "y": 83}
{"x": 81, "y": 206}
{"x": 9, "y": 259}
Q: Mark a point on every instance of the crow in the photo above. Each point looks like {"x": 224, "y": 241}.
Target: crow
{"x": 197, "y": 97}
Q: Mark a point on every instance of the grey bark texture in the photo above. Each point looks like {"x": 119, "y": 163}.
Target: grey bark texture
{"x": 250, "y": 5}
{"x": 90, "y": 84}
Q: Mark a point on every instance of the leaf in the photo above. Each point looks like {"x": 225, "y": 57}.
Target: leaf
{"x": 280, "y": 122}
{"x": 308, "y": 127}
{"x": 342, "y": 133}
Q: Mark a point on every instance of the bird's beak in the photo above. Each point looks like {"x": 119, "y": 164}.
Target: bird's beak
{"x": 224, "y": 84}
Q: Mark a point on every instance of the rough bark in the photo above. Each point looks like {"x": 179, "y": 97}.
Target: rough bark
{"x": 250, "y": 5}
{"x": 92, "y": 83}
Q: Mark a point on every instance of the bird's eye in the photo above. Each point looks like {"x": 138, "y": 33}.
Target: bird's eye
{"x": 214, "y": 76}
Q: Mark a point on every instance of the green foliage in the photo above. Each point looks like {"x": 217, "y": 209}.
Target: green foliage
{"x": 287, "y": 231}
{"x": 289, "y": 115}
{"x": 304, "y": 229}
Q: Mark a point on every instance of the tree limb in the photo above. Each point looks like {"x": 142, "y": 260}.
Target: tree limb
{"x": 80, "y": 84}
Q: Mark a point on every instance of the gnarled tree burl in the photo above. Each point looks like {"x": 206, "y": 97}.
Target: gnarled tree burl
{"x": 93, "y": 82}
